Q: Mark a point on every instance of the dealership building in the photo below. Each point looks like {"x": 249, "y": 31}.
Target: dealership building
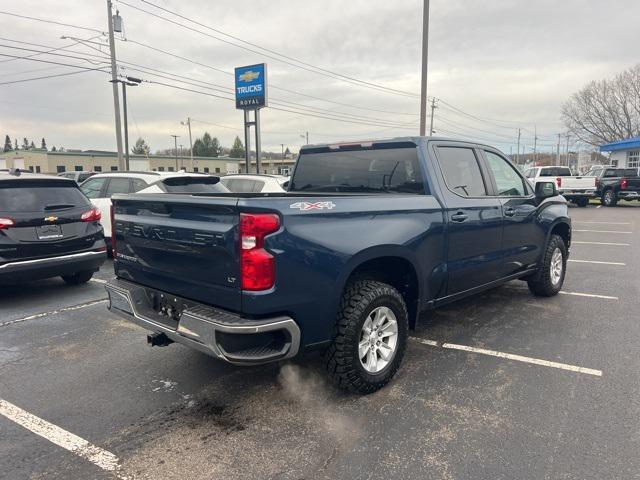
{"x": 623, "y": 153}
{"x": 43, "y": 161}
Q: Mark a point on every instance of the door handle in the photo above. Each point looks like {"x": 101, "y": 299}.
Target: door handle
{"x": 459, "y": 217}
{"x": 509, "y": 212}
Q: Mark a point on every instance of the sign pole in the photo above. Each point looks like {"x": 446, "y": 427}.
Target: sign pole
{"x": 247, "y": 141}
{"x": 257, "y": 126}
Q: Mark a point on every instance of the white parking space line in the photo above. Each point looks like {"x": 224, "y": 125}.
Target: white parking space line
{"x": 601, "y": 243}
{"x": 520, "y": 358}
{"x": 599, "y": 206}
{"x": 590, "y": 295}
{"x": 53, "y": 312}
{"x": 598, "y": 262}
{"x": 98, "y": 280}
{"x": 510, "y": 356}
{"x": 603, "y": 223}
{"x": 78, "y": 446}
{"x": 600, "y": 231}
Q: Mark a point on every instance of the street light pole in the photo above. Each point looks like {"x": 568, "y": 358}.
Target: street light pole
{"x": 188, "y": 123}
{"x": 126, "y": 126}
{"x": 114, "y": 79}
{"x": 425, "y": 51}
{"x": 175, "y": 142}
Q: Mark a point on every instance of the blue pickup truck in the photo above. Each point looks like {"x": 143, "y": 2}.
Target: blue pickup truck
{"x": 368, "y": 236}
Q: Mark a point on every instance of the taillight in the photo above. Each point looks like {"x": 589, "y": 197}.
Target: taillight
{"x": 113, "y": 233}
{"x": 92, "y": 215}
{"x": 623, "y": 183}
{"x": 257, "y": 266}
{"x": 597, "y": 183}
{"x": 559, "y": 181}
{"x": 6, "y": 223}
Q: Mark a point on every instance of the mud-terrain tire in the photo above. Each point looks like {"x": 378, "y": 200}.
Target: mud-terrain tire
{"x": 549, "y": 279}
{"x": 370, "y": 314}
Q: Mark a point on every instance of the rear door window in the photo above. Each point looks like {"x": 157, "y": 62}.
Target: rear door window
{"x": 93, "y": 188}
{"x": 138, "y": 184}
{"x": 118, "y": 185}
{"x": 461, "y": 171}
{"x": 36, "y": 197}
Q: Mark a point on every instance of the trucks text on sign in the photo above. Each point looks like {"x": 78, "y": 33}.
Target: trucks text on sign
{"x": 251, "y": 86}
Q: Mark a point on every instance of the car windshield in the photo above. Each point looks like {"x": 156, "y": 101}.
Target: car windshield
{"x": 378, "y": 170}
{"x": 38, "y": 197}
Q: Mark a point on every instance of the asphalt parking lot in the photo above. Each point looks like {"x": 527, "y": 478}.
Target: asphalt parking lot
{"x": 502, "y": 385}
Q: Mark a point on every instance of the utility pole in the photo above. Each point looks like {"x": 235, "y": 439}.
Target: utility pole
{"x": 188, "y": 123}
{"x": 568, "y": 149}
{"x": 433, "y": 107}
{"x": 535, "y": 145}
{"x": 425, "y": 51}
{"x": 126, "y": 126}
{"x": 518, "y": 149}
{"x": 114, "y": 84}
{"x": 558, "y": 151}
{"x": 175, "y": 142}
{"x": 282, "y": 162}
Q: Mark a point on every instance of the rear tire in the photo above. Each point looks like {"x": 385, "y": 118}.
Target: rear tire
{"x": 609, "y": 198}
{"x": 549, "y": 279}
{"x": 78, "y": 278}
{"x": 370, "y": 315}
{"x": 582, "y": 202}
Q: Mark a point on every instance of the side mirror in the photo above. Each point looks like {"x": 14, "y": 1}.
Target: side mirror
{"x": 546, "y": 190}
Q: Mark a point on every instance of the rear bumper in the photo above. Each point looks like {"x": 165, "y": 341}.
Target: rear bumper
{"x": 219, "y": 333}
{"x": 585, "y": 194}
{"x": 629, "y": 195}
{"x": 27, "y": 270}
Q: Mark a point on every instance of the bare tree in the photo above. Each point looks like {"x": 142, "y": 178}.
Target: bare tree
{"x": 606, "y": 110}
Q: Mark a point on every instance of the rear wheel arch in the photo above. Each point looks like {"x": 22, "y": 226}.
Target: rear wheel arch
{"x": 562, "y": 229}
{"x": 396, "y": 271}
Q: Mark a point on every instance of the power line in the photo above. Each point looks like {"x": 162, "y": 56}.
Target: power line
{"x": 301, "y": 65}
{"x": 26, "y": 17}
{"x": 199, "y": 83}
{"x": 54, "y": 76}
{"x": 271, "y": 85}
{"x": 45, "y": 61}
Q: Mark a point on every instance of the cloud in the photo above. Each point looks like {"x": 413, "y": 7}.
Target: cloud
{"x": 512, "y": 61}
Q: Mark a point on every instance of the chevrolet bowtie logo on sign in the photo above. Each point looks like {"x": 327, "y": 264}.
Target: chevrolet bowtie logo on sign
{"x": 249, "y": 76}
{"x": 251, "y": 87}
{"x": 50, "y": 219}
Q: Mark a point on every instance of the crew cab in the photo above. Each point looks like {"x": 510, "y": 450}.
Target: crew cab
{"x": 575, "y": 188}
{"x": 368, "y": 236}
{"x": 613, "y": 184}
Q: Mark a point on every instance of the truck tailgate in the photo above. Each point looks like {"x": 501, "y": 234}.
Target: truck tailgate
{"x": 180, "y": 244}
{"x": 578, "y": 183}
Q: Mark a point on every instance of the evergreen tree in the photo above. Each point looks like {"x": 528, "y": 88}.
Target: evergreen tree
{"x": 141, "y": 147}
{"x": 15, "y": 144}
{"x": 287, "y": 152}
{"x": 44, "y": 144}
{"x": 7, "y": 144}
{"x": 25, "y": 144}
{"x": 206, "y": 146}
{"x": 53, "y": 149}
{"x": 32, "y": 146}
{"x": 237, "y": 150}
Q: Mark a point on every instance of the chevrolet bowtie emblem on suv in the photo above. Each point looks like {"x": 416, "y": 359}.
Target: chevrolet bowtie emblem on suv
{"x": 248, "y": 76}
{"x": 50, "y": 219}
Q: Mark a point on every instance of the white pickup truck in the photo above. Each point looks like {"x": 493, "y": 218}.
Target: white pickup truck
{"x": 574, "y": 188}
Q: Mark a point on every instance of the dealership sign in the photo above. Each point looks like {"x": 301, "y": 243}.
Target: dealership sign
{"x": 251, "y": 86}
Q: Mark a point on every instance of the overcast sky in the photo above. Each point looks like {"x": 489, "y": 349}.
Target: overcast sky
{"x": 507, "y": 63}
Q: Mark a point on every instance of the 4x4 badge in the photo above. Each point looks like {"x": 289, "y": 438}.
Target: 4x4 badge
{"x": 304, "y": 206}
